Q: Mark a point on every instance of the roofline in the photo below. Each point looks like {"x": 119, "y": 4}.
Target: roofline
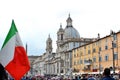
{"x": 96, "y": 40}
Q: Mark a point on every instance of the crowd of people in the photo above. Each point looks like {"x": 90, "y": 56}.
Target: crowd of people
{"x": 105, "y": 76}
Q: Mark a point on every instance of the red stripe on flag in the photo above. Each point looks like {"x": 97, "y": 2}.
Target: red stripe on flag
{"x": 19, "y": 65}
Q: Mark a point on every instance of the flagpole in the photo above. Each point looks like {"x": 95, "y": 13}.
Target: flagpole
{"x": 26, "y": 47}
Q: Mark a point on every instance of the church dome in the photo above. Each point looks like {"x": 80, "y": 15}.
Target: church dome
{"x": 70, "y": 31}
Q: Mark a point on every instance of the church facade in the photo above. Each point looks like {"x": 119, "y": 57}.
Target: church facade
{"x": 60, "y": 62}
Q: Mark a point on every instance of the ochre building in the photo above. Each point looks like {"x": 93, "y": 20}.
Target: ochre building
{"x": 94, "y": 57}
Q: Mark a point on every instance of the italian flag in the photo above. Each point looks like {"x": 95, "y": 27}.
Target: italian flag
{"x": 13, "y": 55}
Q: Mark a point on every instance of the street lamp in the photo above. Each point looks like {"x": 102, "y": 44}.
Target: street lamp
{"x": 113, "y": 35}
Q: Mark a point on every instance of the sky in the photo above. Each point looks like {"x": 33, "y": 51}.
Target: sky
{"x": 36, "y": 19}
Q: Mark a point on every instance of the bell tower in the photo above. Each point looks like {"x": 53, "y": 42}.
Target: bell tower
{"x": 60, "y": 35}
{"x": 49, "y": 45}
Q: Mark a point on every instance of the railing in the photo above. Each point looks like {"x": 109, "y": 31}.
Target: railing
{"x": 88, "y": 62}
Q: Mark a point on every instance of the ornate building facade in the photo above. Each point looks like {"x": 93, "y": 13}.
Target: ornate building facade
{"x": 68, "y": 39}
{"x": 60, "y": 62}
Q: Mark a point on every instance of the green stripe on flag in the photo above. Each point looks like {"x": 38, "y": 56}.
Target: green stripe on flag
{"x": 11, "y": 33}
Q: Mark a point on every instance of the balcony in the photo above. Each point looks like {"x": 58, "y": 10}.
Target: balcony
{"x": 88, "y": 62}
{"x": 86, "y": 68}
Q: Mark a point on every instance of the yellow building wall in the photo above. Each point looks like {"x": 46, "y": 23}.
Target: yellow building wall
{"x": 86, "y": 52}
{"x": 118, "y": 50}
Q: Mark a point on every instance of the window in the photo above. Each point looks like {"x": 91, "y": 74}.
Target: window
{"x": 74, "y": 44}
{"x": 115, "y": 37}
{"x": 62, "y": 63}
{"x": 100, "y": 59}
{"x": 106, "y": 57}
{"x": 85, "y": 50}
{"x": 88, "y": 51}
{"x": 115, "y": 56}
{"x": 99, "y": 48}
{"x": 84, "y": 60}
{"x": 106, "y": 47}
{"x": 94, "y": 50}
{"x": 94, "y": 59}
{"x": 114, "y": 45}
{"x": 81, "y": 62}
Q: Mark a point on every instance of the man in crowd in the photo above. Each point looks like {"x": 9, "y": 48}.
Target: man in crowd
{"x": 106, "y": 74}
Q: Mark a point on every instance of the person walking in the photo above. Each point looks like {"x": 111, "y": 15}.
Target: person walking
{"x": 106, "y": 74}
